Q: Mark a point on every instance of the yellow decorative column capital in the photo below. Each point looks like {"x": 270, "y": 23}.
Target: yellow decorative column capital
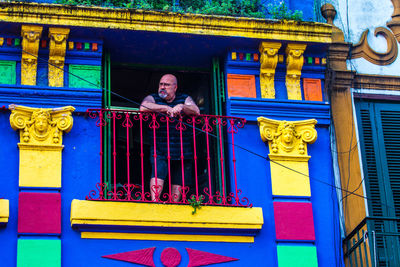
{"x": 287, "y": 138}
{"x": 40, "y": 146}
{"x": 287, "y": 142}
{"x": 294, "y": 64}
{"x": 58, "y": 44}
{"x": 268, "y": 62}
{"x": 30, "y": 48}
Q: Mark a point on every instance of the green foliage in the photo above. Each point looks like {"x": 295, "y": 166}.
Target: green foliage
{"x": 282, "y": 12}
{"x": 243, "y": 8}
{"x": 195, "y": 203}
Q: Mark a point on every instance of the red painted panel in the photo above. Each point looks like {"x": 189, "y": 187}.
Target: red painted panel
{"x": 170, "y": 257}
{"x": 312, "y": 89}
{"x": 202, "y": 258}
{"x": 294, "y": 221}
{"x": 141, "y": 256}
{"x": 241, "y": 85}
{"x": 39, "y": 213}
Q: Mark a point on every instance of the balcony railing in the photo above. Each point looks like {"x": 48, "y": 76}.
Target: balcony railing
{"x": 374, "y": 242}
{"x": 128, "y": 139}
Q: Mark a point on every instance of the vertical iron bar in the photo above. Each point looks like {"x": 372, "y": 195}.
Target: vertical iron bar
{"x": 101, "y": 193}
{"x": 232, "y": 121}
{"x": 365, "y": 248}
{"x": 222, "y": 160}
{"x": 128, "y": 156}
{"x": 141, "y": 153}
{"x": 359, "y": 249}
{"x": 208, "y": 161}
{"x": 114, "y": 157}
{"x": 170, "y": 197}
{"x": 195, "y": 157}
{"x": 350, "y": 254}
{"x": 155, "y": 158}
{"x": 182, "y": 161}
{"x": 355, "y": 253}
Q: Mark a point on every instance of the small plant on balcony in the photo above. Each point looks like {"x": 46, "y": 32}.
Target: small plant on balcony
{"x": 196, "y": 204}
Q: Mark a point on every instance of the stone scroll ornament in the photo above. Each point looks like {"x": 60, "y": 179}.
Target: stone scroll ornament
{"x": 288, "y": 138}
{"x": 30, "y": 48}
{"x": 268, "y": 62}
{"x": 294, "y": 64}
{"x": 41, "y": 126}
{"x": 58, "y": 45}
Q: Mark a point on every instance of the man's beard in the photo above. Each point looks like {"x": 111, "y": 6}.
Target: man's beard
{"x": 163, "y": 94}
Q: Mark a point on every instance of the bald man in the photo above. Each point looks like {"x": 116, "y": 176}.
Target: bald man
{"x": 174, "y": 105}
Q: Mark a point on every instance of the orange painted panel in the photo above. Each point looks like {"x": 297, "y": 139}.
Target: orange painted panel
{"x": 312, "y": 89}
{"x": 241, "y": 85}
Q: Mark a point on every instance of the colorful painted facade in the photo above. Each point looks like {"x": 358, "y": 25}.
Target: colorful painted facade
{"x": 64, "y": 203}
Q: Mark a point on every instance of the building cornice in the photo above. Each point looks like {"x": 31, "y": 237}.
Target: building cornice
{"x": 145, "y": 20}
{"x": 377, "y": 82}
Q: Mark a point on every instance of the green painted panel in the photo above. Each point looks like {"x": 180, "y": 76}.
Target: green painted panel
{"x": 84, "y": 76}
{"x": 39, "y": 253}
{"x": 299, "y": 256}
{"x": 7, "y": 72}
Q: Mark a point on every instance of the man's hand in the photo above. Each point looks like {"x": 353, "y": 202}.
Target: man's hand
{"x": 175, "y": 111}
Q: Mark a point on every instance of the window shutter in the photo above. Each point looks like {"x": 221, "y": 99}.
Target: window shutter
{"x": 379, "y": 128}
{"x": 369, "y": 160}
{"x": 391, "y": 136}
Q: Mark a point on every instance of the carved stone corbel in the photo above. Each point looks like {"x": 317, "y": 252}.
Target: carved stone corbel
{"x": 294, "y": 64}
{"x": 268, "y": 62}
{"x": 287, "y": 138}
{"x": 30, "y": 47}
{"x": 41, "y": 131}
{"x": 58, "y": 44}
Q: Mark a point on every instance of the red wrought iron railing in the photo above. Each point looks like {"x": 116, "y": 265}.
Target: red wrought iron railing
{"x": 129, "y": 139}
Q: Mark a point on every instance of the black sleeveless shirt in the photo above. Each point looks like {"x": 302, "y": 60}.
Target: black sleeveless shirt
{"x": 174, "y": 133}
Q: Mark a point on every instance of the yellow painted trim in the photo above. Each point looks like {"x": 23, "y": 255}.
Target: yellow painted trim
{"x": 168, "y": 237}
{"x": 4, "y": 210}
{"x": 163, "y": 215}
{"x": 156, "y": 21}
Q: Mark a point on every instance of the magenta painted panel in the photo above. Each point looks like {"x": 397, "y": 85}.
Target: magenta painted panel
{"x": 39, "y": 213}
{"x": 170, "y": 257}
{"x": 294, "y": 221}
{"x": 141, "y": 256}
{"x": 202, "y": 258}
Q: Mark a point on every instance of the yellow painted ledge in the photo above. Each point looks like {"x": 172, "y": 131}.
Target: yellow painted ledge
{"x": 164, "y": 221}
{"x": 4, "y": 211}
{"x": 168, "y": 237}
{"x": 144, "y": 20}
{"x": 163, "y": 215}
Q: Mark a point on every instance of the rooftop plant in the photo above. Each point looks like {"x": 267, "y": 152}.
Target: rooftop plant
{"x": 244, "y": 8}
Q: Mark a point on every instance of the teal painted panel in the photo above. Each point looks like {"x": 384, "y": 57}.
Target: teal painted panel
{"x": 84, "y": 76}
{"x": 39, "y": 253}
{"x": 7, "y": 72}
{"x": 299, "y": 256}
